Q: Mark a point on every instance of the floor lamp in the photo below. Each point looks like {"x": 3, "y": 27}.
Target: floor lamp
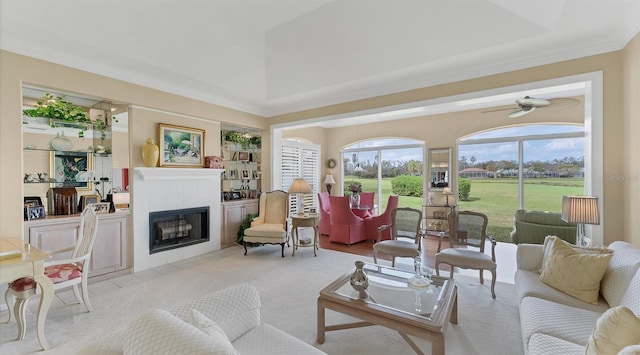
{"x": 299, "y": 187}
{"x": 581, "y": 210}
{"x": 329, "y": 181}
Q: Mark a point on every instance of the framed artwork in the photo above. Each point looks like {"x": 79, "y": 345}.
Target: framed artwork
{"x": 87, "y": 200}
{"x": 181, "y": 146}
{"x": 253, "y": 193}
{"x": 255, "y": 174}
{"x": 72, "y": 169}
{"x": 245, "y": 174}
{"x": 243, "y": 156}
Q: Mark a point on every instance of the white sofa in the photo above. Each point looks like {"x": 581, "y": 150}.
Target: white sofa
{"x": 553, "y": 322}
{"x": 235, "y": 310}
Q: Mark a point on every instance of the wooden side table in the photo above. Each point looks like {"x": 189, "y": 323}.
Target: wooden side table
{"x": 306, "y": 220}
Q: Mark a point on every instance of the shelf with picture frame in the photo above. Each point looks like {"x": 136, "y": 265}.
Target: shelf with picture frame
{"x": 242, "y": 159}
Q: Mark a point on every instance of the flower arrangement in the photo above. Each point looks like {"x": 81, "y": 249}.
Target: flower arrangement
{"x": 355, "y": 188}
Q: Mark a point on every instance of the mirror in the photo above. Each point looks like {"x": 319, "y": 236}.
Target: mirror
{"x": 440, "y": 168}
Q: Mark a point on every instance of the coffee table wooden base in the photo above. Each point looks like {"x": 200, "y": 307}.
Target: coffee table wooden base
{"x": 389, "y": 320}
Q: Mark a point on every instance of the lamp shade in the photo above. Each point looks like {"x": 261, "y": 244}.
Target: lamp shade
{"x": 329, "y": 179}
{"x": 299, "y": 186}
{"x": 447, "y": 191}
{"x": 580, "y": 209}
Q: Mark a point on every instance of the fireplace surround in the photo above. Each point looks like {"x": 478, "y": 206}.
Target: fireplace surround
{"x": 178, "y": 228}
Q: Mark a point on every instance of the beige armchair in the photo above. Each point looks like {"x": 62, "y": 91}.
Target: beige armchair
{"x": 270, "y": 227}
{"x": 405, "y": 235}
{"x": 468, "y": 229}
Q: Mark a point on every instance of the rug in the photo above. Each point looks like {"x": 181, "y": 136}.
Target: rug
{"x": 288, "y": 288}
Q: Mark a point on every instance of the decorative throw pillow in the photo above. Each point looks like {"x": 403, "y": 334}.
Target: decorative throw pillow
{"x": 573, "y": 273}
{"x": 616, "y": 329}
{"x": 159, "y": 332}
{"x": 548, "y": 243}
{"x": 223, "y": 345}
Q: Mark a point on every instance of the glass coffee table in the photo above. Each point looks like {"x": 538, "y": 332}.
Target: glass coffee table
{"x": 390, "y": 302}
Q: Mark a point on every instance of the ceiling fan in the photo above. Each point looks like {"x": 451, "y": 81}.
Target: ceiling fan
{"x": 530, "y": 104}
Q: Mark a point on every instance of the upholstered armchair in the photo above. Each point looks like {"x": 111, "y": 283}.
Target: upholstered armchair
{"x": 324, "y": 226}
{"x": 371, "y": 224}
{"x": 346, "y": 227}
{"x": 368, "y": 199}
{"x": 270, "y": 227}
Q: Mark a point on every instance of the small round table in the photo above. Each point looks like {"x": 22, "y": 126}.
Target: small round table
{"x": 306, "y": 220}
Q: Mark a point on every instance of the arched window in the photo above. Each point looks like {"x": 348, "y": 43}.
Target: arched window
{"x": 522, "y": 167}
{"x": 374, "y": 163}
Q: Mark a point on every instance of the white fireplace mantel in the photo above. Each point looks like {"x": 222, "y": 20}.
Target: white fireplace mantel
{"x": 176, "y": 173}
{"x": 162, "y": 189}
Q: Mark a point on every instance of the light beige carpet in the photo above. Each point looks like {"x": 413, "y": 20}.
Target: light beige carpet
{"x": 289, "y": 288}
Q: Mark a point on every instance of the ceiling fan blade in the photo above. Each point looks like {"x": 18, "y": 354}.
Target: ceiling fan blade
{"x": 562, "y": 103}
{"x": 501, "y": 109}
{"x": 521, "y": 112}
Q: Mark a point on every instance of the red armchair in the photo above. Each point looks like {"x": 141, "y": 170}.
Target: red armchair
{"x": 325, "y": 213}
{"x": 367, "y": 199}
{"x": 346, "y": 227}
{"x": 371, "y": 224}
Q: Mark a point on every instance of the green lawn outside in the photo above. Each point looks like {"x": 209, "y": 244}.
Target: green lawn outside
{"x": 497, "y": 198}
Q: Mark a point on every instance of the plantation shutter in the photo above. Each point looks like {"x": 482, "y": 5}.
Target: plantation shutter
{"x": 301, "y": 160}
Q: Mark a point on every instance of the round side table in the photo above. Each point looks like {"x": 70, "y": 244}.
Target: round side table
{"x": 306, "y": 220}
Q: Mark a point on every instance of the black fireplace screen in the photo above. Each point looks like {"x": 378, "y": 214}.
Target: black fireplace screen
{"x": 178, "y": 228}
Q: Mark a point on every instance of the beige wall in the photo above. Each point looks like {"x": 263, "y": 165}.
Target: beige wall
{"x": 430, "y": 129}
{"x": 16, "y": 70}
{"x": 630, "y": 179}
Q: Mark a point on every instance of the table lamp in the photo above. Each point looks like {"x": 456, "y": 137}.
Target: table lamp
{"x": 581, "y": 210}
{"x": 299, "y": 187}
{"x": 329, "y": 181}
{"x": 447, "y": 192}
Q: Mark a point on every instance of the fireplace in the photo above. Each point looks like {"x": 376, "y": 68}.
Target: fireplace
{"x": 178, "y": 228}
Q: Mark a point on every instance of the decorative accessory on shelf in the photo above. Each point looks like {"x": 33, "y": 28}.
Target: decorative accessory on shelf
{"x": 60, "y": 142}
{"x": 299, "y": 187}
{"x": 359, "y": 280}
{"x": 581, "y": 210}
{"x": 447, "y": 192}
{"x": 150, "y": 153}
{"x": 328, "y": 182}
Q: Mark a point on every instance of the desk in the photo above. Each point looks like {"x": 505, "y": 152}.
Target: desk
{"x": 29, "y": 263}
{"x": 308, "y": 220}
{"x": 363, "y": 211}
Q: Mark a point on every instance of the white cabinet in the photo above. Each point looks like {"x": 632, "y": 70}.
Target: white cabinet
{"x": 110, "y": 251}
{"x": 233, "y": 214}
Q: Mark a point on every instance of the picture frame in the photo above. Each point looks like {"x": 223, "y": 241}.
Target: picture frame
{"x": 72, "y": 169}
{"x": 243, "y": 156}
{"x": 181, "y": 146}
{"x": 245, "y": 174}
{"x": 87, "y": 200}
{"x": 101, "y": 207}
{"x": 253, "y": 193}
{"x": 32, "y": 201}
{"x": 255, "y": 174}
{"x": 439, "y": 215}
{"x": 35, "y": 212}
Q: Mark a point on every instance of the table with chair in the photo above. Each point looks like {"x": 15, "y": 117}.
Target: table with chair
{"x": 31, "y": 269}
{"x": 468, "y": 229}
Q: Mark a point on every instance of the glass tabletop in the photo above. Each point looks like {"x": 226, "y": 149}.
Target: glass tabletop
{"x": 389, "y": 288}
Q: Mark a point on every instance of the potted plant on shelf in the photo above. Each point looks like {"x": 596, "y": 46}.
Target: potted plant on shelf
{"x": 58, "y": 109}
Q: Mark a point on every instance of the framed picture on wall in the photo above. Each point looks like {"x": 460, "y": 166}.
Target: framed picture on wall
{"x": 72, "y": 169}
{"x": 181, "y": 146}
{"x": 243, "y": 156}
{"x": 87, "y": 200}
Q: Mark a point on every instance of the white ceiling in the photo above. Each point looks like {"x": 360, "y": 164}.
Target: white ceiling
{"x": 276, "y": 56}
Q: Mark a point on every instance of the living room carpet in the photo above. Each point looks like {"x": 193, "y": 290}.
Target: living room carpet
{"x": 288, "y": 288}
